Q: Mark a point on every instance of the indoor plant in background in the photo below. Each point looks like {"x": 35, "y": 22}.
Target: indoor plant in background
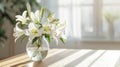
{"x": 111, "y": 18}
{"x": 40, "y": 27}
{"x": 8, "y": 10}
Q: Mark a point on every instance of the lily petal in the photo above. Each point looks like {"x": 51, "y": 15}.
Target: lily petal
{"x": 18, "y": 32}
{"x": 34, "y": 19}
{"x": 24, "y": 14}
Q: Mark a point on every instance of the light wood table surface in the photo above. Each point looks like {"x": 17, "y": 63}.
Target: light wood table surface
{"x": 68, "y": 58}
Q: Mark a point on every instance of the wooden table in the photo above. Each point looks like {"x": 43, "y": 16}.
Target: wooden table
{"x": 68, "y": 58}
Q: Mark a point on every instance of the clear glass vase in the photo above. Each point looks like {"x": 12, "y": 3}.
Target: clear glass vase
{"x": 38, "y": 52}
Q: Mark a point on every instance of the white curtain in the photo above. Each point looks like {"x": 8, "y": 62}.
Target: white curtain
{"x": 85, "y": 20}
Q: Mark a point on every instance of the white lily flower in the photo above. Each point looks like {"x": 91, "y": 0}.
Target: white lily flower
{"x": 37, "y": 14}
{"x": 57, "y": 32}
{"x": 60, "y": 29}
{"x": 18, "y": 32}
{"x": 33, "y": 31}
{"x": 47, "y": 28}
{"x": 35, "y": 17}
{"x": 22, "y": 18}
{"x": 51, "y": 30}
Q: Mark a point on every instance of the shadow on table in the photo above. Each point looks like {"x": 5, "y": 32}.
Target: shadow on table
{"x": 80, "y": 59}
{"x": 59, "y": 56}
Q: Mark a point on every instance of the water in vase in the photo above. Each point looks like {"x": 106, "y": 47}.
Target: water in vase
{"x": 37, "y": 54}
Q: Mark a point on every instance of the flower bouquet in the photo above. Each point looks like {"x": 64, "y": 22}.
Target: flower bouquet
{"x": 40, "y": 27}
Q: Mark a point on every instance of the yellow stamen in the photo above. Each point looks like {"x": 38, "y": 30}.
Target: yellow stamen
{"x": 34, "y": 31}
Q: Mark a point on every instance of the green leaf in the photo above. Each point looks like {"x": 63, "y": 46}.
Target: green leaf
{"x": 48, "y": 37}
{"x": 54, "y": 20}
{"x": 1, "y": 20}
{"x": 34, "y": 40}
{"x": 40, "y": 25}
{"x": 49, "y": 15}
{"x": 28, "y": 9}
{"x": 42, "y": 12}
{"x": 2, "y": 7}
{"x": 63, "y": 40}
{"x": 2, "y": 34}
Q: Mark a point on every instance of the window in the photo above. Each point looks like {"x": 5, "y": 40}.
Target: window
{"x": 85, "y": 18}
{"x": 112, "y": 6}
